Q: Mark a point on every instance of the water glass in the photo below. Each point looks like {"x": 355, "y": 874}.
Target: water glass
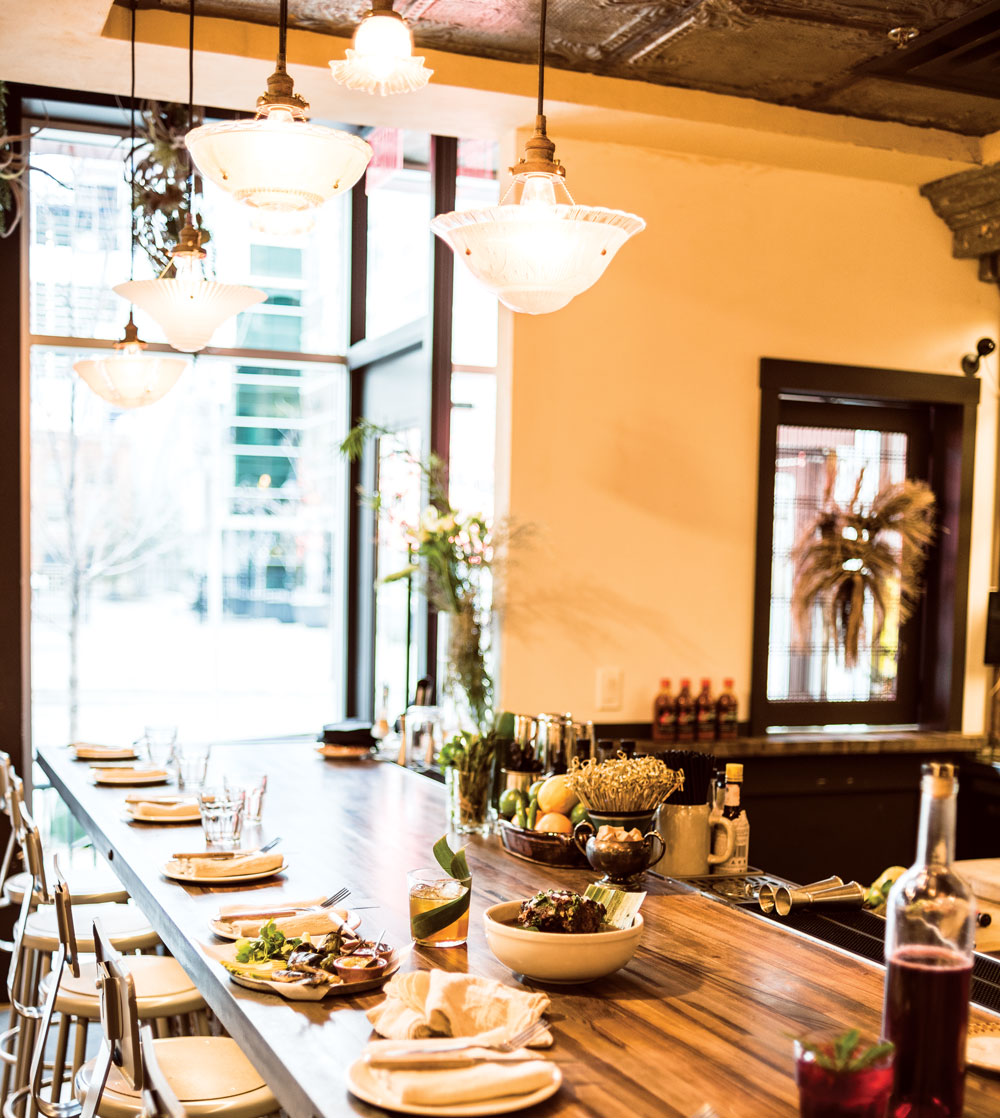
{"x": 253, "y": 785}
{"x": 221, "y": 815}
{"x": 157, "y": 745}
{"x": 191, "y": 762}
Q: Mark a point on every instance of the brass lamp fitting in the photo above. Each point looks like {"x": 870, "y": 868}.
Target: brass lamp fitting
{"x": 539, "y": 156}
{"x": 131, "y": 339}
{"x": 189, "y": 243}
{"x": 281, "y": 95}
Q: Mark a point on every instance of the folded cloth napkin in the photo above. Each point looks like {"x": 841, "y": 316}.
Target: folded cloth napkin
{"x": 318, "y": 923}
{"x": 124, "y": 773}
{"x": 230, "y": 867}
{"x": 153, "y": 809}
{"x": 437, "y": 1002}
{"x": 460, "y": 1085}
{"x": 85, "y": 750}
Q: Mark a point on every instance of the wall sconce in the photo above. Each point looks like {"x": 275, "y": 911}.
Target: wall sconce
{"x": 970, "y": 362}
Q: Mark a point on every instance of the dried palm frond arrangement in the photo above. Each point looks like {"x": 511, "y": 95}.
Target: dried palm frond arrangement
{"x": 624, "y": 784}
{"x": 849, "y": 552}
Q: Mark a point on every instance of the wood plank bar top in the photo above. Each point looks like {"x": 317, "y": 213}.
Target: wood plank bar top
{"x": 703, "y": 1013}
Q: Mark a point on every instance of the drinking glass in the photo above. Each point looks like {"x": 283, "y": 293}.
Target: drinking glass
{"x": 253, "y": 785}
{"x": 191, "y": 762}
{"x": 221, "y": 815}
{"x": 829, "y": 1093}
{"x": 429, "y": 888}
{"x": 157, "y": 745}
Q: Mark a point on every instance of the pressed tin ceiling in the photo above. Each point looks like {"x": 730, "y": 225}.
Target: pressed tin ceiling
{"x": 825, "y": 55}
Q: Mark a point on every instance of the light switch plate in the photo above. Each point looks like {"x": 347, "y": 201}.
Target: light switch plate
{"x": 610, "y": 688}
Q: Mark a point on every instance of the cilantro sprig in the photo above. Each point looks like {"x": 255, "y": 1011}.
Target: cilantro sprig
{"x": 271, "y": 943}
{"x": 845, "y": 1053}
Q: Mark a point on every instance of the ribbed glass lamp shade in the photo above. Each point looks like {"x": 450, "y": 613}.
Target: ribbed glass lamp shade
{"x": 278, "y": 163}
{"x": 382, "y": 59}
{"x": 190, "y": 308}
{"x": 131, "y": 379}
{"x": 537, "y": 255}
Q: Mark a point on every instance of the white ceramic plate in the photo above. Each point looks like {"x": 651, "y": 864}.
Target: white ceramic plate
{"x": 299, "y": 992}
{"x": 127, "y": 776}
{"x": 345, "y": 752}
{"x": 224, "y": 930}
{"x": 103, "y": 753}
{"x": 171, "y": 868}
{"x": 364, "y": 1083}
{"x": 131, "y": 817}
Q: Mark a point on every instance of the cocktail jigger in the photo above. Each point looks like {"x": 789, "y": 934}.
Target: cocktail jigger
{"x": 766, "y": 893}
{"x": 851, "y": 895}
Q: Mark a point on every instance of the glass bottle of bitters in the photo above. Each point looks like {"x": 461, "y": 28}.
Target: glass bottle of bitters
{"x": 684, "y": 713}
{"x": 704, "y": 713}
{"x": 930, "y": 927}
{"x": 664, "y": 719}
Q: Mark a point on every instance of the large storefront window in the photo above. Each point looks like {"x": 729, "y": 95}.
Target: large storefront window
{"x": 187, "y": 558}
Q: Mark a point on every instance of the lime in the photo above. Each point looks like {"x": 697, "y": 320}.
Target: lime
{"x": 509, "y": 799}
{"x": 578, "y": 814}
{"x": 533, "y": 790}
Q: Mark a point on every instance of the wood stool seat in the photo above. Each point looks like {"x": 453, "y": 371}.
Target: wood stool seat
{"x": 125, "y": 924}
{"x": 211, "y": 1077}
{"x": 89, "y": 886}
{"x": 162, "y": 989}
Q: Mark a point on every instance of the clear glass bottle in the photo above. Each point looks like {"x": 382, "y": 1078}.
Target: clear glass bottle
{"x": 929, "y": 944}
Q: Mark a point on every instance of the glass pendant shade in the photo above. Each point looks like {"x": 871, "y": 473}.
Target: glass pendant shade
{"x": 128, "y": 377}
{"x": 275, "y": 162}
{"x": 537, "y": 254}
{"x": 382, "y": 59}
{"x": 189, "y": 308}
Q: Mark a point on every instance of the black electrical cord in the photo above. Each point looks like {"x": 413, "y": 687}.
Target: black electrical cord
{"x": 282, "y": 33}
{"x": 541, "y": 56}
{"x": 190, "y": 162}
{"x": 133, "y": 224}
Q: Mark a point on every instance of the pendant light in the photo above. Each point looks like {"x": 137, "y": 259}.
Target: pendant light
{"x": 190, "y": 307}
{"x": 128, "y": 377}
{"x": 532, "y": 251}
{"x": 278, "y": 160}
{"x": 382, "y": 59}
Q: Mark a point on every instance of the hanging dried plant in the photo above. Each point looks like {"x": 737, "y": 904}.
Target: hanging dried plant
{"x": 848, "y": 553}
{"x": 159, "y": 193}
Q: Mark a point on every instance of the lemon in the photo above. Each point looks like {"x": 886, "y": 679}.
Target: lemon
{"x": 554, "y": 796}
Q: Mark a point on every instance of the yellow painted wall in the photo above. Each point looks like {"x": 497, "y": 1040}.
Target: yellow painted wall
{"x": 633, "y": 418}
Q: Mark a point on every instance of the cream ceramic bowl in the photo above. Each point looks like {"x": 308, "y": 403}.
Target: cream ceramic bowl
{"x": 557, "y": 956}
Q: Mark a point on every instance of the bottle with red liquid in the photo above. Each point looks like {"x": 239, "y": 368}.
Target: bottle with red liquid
{"x": 684, "y": 713}
{"x": 663, "y": 713}
{"x": 704, "y": 713}
{"x": 726, "y": 714}
{"x": 929, "y": 945}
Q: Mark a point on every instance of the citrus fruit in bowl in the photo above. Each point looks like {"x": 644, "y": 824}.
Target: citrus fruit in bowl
{"x": 555, "y": 797}
{"x": 554, "y": 821}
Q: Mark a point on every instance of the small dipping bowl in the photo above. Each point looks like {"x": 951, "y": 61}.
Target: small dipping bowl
{"x": 360, "y": 967}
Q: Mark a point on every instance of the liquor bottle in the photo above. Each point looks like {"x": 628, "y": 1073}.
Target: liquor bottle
{"x": 704, "y": 713}
{"x": 664, "y": 721}
{"x": 684, "y": 713}
{"x": 929, "y": 943}
{"x": 726, "y": 710}
{"x": 733, "y": 810}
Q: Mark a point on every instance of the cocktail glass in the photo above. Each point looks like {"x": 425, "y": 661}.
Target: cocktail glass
{"x": 825, "y": 1092}
{"x": 431, "y": 888}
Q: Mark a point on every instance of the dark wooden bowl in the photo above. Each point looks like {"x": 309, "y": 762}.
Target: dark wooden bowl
{"x": 548, "y": 848}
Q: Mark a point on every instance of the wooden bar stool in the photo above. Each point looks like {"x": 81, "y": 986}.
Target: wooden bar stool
{"x": 163, "y": 991}
{"x": 210, "y": 1076}
{"x": 36, "y": 941}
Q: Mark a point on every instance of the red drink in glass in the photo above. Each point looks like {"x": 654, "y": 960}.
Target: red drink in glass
{"x": 827, "y": 1093}
{"x": 926, "y": 1017}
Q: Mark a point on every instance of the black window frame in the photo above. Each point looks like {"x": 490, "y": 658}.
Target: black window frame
{"x": 945, "y": 408}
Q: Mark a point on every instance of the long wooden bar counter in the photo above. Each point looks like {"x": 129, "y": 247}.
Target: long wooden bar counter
{"x": 703, "y": 1013}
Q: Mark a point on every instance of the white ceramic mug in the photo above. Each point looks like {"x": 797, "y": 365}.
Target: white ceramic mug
{"x": 687, "y": 837}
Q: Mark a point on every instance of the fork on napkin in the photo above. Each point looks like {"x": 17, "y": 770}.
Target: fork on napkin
{"x": 440, "y": 1003}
